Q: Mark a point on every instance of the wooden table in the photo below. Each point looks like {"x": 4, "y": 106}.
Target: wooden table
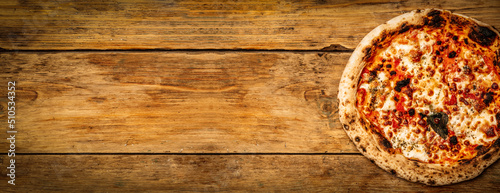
{"x": 133, "y": 96}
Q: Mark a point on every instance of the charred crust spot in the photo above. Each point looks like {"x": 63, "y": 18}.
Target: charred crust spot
{"x": 497, "y": 143}
{"x": 346, "y": 127}
{"x": 393, "y": 172}
{"x": 434, "y": 13}
{"x": 386, "y": 143}
{"x": 363, "y": 149}
{"x": 368, "y": 54}
{"x": 404, "y": 28}
{"x": 383, "y": 36}
{"x": 357, "y": 139}
{"x": 464, "y": 161}
{"x": 458, "y": 21}
{"x": 434, "y": 19}
{"x": 486, "y": 156}
{"x": 481, "y": 150}
{"x": 431, "y": 182}
{"x": 484, "y": 36}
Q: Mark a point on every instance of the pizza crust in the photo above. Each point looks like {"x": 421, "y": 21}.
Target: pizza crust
{"x": 379, "y": 150}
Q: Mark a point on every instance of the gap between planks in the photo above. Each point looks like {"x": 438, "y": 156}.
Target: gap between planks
{"x": 186, "y": 154}
{"x": 341, "y": 50}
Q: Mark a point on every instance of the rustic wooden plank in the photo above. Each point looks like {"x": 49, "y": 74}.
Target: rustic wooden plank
{"x": 199, "y": 24}
{"x": 175, "y": 102}
{"x": 217, "y": 173}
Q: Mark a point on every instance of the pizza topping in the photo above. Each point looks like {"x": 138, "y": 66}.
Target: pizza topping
{"x": 411, "y": 112}
{"x": 453, "y": 140}
{"x": 401, "y": 84}
{"x": 494, "y": 86}
{"x": 488, "y": 97}
{"x": 440, "y": 60}
{"x": 452, "y": 54}
{"x": 421, "y": 122}
{"x": 490, "y": 132}
{"x": 438, "y": 123}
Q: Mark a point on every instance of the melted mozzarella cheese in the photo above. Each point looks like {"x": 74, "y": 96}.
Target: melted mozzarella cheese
{"x": 417, "y": 152}
{"x": 389, "y": 104}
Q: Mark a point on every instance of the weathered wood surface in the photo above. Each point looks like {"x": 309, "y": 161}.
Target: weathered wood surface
{"x": 256, "y": 24}
{"x": 203, "y": 93}
{"x": 218, "y": 173}
{"x": 159, "y": 102}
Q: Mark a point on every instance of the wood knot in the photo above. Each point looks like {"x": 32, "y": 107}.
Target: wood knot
{"x": 30, "y": 95}
{"x": 327, "y": 106}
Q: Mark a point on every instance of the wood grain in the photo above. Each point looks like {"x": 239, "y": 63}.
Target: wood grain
{"x": 218, "y": 173}
{"x": 255, "y": 24}
{"x": 206, "y": 112}
{"x": 175, "y": 102}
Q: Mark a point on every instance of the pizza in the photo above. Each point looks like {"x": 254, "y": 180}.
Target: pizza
{"x": 420, "y": 96}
